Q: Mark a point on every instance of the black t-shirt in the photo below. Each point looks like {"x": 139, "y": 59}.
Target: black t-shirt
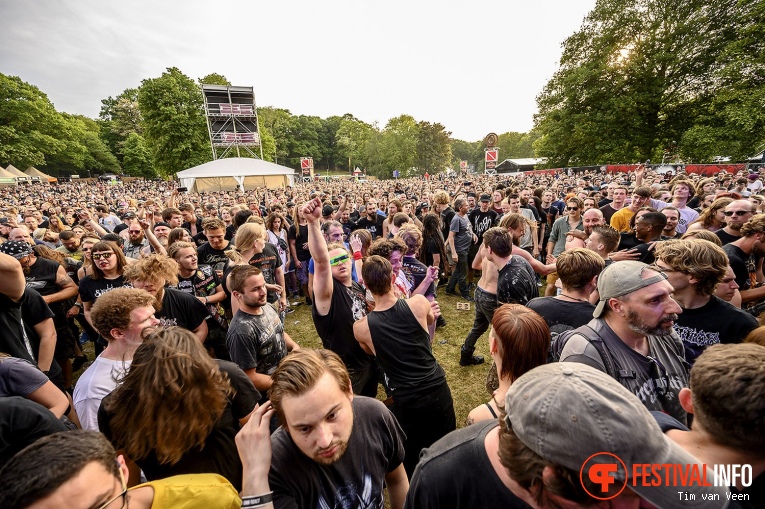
{"x": 725, "y": 237}
{"x": 22, "y": 422}
{"x": 435, "y": 485}
{"x": 516, "y": 283}
{"x": 13, "y": 339}
{"x": 375, "y": 226}
{"x": 336, "y": 327}
{"x": 446, "y": 220}
{"x": 91, "y": 289}
{"x": 375, "y": 448}
{"x": 257, "y": 341}
{"x": 219, "y": 454}
{"x": 627, "y": 241}
{"x": 562, "y": 315}
{"x": 432, "y": 247}
{"x": 42, "y": 276}
{"x": 608, "y": 211}
{"x": 181, "y": 309}
{"x": 268, "y": 261}
{"x": 203, "y": 283}
{"x": 216, "y": 258}
{"x": 34, "y": 310}
{"x": 743, "y": 266}
{"x": 481, "y": 221}
{"x": 300, "y": 236}
{"x": 715, "y": 322}
{"x": 415, "y": 272}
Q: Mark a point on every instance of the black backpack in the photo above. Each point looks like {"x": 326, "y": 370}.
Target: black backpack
{"x": 559, "y": 341}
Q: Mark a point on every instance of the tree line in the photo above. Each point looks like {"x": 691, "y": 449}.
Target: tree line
{"x": 159, "y": 128}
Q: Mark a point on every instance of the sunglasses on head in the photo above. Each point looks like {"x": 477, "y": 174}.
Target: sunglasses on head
{"x": 337, "y": 260}
{"x": 729, "y": 213}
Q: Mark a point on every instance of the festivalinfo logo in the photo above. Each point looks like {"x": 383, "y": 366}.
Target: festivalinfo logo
{"x": 608, "y": 476}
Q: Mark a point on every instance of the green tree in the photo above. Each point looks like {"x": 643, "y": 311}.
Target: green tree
{"x": 396, "y": 148}
{"x": 633, "y": 78}
{"x": 31, "y": 130}
{"x": 136, "y": 157}
{"x": 214, "y": 79}
{"x": 277, "y": 122}
{"x": 434, "y": 152}
{"x": 175, "y": 128}
{"x": 351, "y": 138}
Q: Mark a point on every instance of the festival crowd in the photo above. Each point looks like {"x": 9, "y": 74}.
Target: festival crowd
{"x": 622, "y": 316}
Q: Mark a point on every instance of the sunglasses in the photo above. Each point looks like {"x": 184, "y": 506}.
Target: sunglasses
{"x": 98, "y": 256}
{"x": 572, "y": 208}
{"x": 729, "y": 213}
{"x": 337, "y": 260}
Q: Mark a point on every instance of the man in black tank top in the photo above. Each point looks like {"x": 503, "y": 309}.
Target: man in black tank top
{"x": 397, "y": 332}
{"x": 338, "y": 303}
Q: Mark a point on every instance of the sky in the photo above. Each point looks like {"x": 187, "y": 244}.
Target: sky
{"x": 474, "y": 66}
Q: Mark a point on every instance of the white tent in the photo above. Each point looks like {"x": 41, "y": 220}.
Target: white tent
{"x": 227, "y": 174}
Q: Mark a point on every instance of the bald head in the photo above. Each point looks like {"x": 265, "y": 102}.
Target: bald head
{"x": 591, "y": 219}
{"x": 21, "y": 233}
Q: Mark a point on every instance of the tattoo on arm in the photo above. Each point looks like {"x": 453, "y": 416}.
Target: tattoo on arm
{"x": 65, "y": 281}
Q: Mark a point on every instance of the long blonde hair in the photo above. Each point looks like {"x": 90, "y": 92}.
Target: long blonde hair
{"x": 170, "y": 400}
{"x": 245, "y": 238}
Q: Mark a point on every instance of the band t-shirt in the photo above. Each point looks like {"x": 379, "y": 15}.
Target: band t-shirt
{"x": 516, "y": 283}
{"x": 181, "y": 309}
{"x": 268, "y": 261}
{"x": 562, "y": 315}
{"x": 375, "y": 448}
{"x": 257, "y": 341}
{"x": 91, "y": 289}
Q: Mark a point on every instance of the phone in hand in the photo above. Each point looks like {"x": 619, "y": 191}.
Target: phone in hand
{"x": 183, "y": 189}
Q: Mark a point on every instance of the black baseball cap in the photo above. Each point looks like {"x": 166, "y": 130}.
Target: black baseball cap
{"x": 485, "y": 197}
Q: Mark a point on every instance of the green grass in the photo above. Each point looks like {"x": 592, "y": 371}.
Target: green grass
{"x": 468, "y": 384}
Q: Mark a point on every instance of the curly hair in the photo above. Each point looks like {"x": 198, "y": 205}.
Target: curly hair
{"x": 112, "y": 310}
{"x": 755, "y": 225}
{"x": 170, "y": 400}
{"x": 154, "y": 268}
{"x": 384, "y": 247}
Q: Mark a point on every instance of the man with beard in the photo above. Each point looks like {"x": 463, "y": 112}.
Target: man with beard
{"x": 334, "y": 448}
{"x": 136, "y": 243}
{"x": 256, "y": 338}
{"x": 736, "y": 214}
{"x": 631, "y": 336}
{"x": 372, "y": 221}
{"x": 743, "y": 255}
{"x": 70, "y": 245}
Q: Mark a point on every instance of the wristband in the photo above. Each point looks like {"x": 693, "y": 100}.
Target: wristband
{"x": 357, "y": 255}
{"x": 258, "y": 500}
{"x": 206, "y": 301}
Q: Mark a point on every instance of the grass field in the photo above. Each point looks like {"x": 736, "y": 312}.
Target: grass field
{"x": 468, "y": 384}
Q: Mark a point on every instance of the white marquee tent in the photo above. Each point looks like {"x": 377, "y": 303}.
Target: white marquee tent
{"x": 227, "y": 174}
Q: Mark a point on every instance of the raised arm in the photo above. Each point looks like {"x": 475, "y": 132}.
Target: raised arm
{"x": 317, "y": 245}
{"x": 12, "y": 276}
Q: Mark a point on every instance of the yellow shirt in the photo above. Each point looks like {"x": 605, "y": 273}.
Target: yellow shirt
{"x": 194, "y": 491}
{"x": 621, "y": 220}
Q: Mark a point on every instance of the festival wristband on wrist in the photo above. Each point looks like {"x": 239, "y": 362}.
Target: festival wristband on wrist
{"x": 255, "y": 501}
{"x": 357, "y": 255}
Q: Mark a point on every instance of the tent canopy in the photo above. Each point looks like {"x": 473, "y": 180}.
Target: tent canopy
{"x": 34, "y": 172}
{"x": 227, "y": 174}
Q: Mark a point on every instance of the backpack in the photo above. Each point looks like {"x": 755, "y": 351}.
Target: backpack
{"x": 592, "y": 337}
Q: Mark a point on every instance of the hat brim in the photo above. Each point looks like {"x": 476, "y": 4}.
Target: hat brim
{"x": 599, "y": 309}
{"x": 666, "y": 496}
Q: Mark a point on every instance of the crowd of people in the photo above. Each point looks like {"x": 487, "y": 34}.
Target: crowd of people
{"x": 622, "y": 316}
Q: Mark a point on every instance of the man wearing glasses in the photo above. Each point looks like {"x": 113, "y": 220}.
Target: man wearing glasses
{"x": 736, "y": 214}
{"x": 80, "y": 469}
{"x": 338, "y": 302}
{"x": 631, "y": 336}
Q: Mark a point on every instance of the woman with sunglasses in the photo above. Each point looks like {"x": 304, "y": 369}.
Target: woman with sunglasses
{"x": 108, "y": 265}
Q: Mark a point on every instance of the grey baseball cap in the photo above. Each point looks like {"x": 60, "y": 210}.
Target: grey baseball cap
{"x": 570, "y": 414}
{"x": 622, "y": 278}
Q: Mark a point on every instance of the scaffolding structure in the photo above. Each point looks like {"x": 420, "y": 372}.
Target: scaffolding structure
{"x": 232, "y": 121}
